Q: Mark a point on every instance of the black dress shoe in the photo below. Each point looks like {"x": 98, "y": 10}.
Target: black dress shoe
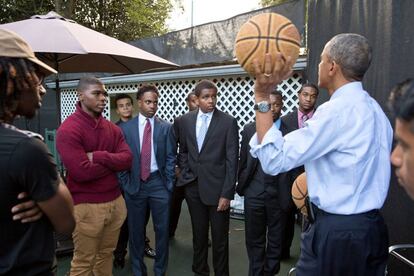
{"x": 119, "y": 262}
{"x": 149, "y": 252}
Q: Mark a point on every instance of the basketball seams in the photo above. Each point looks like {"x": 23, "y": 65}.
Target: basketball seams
{"x": 257, "y": 38}
{"x": 277, "y": 38}
{"x": 248, "y": 56}
{"x": 269, "y": 25}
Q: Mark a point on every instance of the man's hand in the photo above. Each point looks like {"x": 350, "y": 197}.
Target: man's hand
{"x": 267, "y": 79}
{"x": 27, "y": 211}
{"x": 223, "y": 204}
{"x": 90, "y": 156}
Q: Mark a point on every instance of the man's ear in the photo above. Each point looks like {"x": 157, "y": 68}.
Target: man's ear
{"x": 80, "y": 96}
{"x": 333, "y": 69}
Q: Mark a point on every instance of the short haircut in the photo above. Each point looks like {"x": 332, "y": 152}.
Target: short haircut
{"x": 352, "y": 53}
{"x": 189, "y": 96}
{"x": 311, "y": 85}
{"x": 122, "y": 96}
{"x": 401, "y": 102}
{"x": 146, "y": 88}
{"x": 86, "y": 81}
{"x": 276, "y": 92}
{"x": 204, "y": 84}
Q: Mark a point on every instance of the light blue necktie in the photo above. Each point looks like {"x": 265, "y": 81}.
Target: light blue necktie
{"x": 202, "y": 132}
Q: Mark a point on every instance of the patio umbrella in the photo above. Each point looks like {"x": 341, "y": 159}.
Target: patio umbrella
{"x": 70, "y": 48}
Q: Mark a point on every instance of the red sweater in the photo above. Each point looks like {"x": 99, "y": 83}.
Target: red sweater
{"x": 96, "y": 181}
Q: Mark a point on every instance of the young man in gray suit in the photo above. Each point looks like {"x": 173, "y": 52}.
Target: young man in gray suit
{"x": 208, "y": 158}
{"x": 150, "y": 181}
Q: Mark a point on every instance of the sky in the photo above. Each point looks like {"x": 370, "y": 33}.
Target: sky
{"x": 205, "y": 11}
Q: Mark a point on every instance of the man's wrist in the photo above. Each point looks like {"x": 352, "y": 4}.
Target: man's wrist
{"x": 258, "y": 98}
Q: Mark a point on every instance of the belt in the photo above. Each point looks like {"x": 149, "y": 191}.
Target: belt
{"x": 319, "y": 212}
{"x": 152, "y": 176}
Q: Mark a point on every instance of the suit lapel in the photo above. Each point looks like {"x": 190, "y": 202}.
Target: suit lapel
{"x": 193, "y": 127}
{"x": 135, "y": 135}
{"x": 211, "y": 127}
{"x": 253, "y": 161}
{"x": 155, "y": 134}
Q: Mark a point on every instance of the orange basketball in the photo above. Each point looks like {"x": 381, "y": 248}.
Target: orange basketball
{"x": 266, "y": 33}
{"x": 300, "y": 192}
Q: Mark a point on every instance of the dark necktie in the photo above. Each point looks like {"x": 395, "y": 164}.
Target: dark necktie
{"x": 146, "y": 152}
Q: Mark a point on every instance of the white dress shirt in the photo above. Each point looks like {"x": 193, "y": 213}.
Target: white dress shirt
{"x": 142, "y": 121}
{"x": 199, "y": 120}
{"x": 345, "y": 148}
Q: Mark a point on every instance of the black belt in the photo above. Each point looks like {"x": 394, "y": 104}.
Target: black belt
{"x": 152, "y": 176}
{"x": 314, "y": 212}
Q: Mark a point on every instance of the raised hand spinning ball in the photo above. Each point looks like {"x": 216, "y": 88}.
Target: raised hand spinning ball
{"x": 266, "y": 33}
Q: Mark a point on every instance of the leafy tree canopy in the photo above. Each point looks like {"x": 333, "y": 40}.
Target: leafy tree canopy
{"x": 123, "y": 19}
{"x": 267, "y": 3}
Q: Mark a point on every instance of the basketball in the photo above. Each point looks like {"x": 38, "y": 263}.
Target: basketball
{"x": 300, "y": 192}
{"x": 266, "y": 33}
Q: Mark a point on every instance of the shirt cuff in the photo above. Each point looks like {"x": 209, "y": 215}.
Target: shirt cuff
{"x": 271, "y": 136}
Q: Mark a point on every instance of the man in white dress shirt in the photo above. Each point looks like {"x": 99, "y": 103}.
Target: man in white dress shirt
{"x": 345, "y": 148}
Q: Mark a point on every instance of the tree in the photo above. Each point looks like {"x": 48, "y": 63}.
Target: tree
{"x": 267, "y": 3}
{"x": 123, "y": 19}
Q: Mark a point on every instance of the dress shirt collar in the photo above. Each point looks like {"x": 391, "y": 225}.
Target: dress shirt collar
{"x": 142, "y": 120}
{"x": 278, "y": 123}
{"x": 309, "y": 114}
{"x": 209, "y": 114}
{"x": 351, "y": 88}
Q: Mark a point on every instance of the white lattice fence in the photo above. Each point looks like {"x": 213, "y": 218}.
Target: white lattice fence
{"x": 235, "y": 96}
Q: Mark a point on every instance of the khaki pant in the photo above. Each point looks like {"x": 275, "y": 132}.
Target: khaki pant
{"x": 95, "y": 236}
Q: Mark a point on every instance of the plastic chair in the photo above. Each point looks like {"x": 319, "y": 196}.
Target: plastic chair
{"x": 394, "y": 250}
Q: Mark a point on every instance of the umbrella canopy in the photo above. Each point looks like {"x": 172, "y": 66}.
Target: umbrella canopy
{"x": 70, "y": 47}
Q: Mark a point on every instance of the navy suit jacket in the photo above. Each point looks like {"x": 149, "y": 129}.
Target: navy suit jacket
{"x": 164, "y": 149}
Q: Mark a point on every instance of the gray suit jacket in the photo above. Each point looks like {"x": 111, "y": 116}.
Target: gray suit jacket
{"x": 165, "y": 154}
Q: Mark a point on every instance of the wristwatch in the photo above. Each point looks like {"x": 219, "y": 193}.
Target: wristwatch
{"x": 262, "y": 107}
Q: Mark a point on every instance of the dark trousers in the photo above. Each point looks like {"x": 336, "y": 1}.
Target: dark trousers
{"x": 178, "y": 196}
{"x": 345, "y": 245}
{"x": 264, "y": 223}
{"x": 289, "y": 231}
{"x": 201, "y": 217}
{"x": 152, "y": 195}
{"x": 121, "y": 247}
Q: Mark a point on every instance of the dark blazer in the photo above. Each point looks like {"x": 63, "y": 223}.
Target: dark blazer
{"x": 248, "y": 165}
{"x": 291, "y": 120}
{"x": 164, "y": 149}
{"x": 215, "y": 167}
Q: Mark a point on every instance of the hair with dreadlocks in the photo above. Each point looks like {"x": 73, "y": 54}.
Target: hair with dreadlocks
{"x": 16, "y": 74}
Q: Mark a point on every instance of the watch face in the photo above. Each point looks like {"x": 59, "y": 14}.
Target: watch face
{"x": 263, "y": 107}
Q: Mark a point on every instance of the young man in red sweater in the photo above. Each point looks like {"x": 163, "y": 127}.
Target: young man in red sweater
{"x": 93, "y": 150}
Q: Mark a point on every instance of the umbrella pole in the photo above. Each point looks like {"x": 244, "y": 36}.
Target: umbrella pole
{"x": 57, "y": 87}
